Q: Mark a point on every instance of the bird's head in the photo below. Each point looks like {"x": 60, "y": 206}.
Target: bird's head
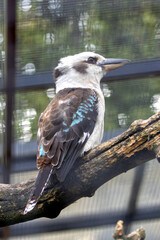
{"x": 85, "y": 70}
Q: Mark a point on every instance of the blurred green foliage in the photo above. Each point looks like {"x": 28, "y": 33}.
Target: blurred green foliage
{"x": 51, "y": 29}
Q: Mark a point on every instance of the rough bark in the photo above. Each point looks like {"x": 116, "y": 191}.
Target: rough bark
{"x": 139, "y": 144}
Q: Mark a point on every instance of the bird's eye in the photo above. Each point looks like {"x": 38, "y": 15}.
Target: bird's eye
{"x": 92, "y": 60}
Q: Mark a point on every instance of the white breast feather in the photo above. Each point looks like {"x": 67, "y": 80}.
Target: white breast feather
{"x": 96, "y": 136}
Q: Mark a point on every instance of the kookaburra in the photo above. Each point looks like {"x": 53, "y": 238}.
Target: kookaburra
{"x": 73, "y": 122}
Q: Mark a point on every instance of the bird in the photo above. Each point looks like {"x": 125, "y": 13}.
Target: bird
{"x": 73, "y": 122}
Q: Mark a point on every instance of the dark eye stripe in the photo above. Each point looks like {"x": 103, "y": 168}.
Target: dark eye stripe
{"x": 92, "y": 60}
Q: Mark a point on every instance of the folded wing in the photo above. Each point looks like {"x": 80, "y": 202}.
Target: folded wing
{"x": 64, "y": 128}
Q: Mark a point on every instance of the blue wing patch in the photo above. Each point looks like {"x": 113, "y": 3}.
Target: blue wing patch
{"x": 41, "y": 151}
{"x": 84, "y": 108}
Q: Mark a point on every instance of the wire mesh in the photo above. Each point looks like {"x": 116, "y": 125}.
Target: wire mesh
{"x": 48, "y": 30}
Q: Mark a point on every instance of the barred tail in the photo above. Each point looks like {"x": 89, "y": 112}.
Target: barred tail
{"x": 39, "y": 186}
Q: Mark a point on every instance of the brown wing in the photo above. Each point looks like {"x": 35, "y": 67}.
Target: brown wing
{"x": 65, "y": 127}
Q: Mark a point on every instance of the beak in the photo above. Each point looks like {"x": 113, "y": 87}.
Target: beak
{"x": 112, "y": 63}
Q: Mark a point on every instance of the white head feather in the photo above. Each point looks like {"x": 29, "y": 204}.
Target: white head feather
{"x": 77, "y": 71}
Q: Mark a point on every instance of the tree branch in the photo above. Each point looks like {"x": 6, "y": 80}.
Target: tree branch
{"x": 139, "y": 144}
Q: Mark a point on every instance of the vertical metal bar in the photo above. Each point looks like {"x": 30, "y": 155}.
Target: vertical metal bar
{"x": 132, "y": 204}
{"x": 10, "y": 48}
{"x": 10, "y": 19}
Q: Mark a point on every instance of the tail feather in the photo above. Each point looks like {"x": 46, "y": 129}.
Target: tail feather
{"x": 39, "y": 186}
